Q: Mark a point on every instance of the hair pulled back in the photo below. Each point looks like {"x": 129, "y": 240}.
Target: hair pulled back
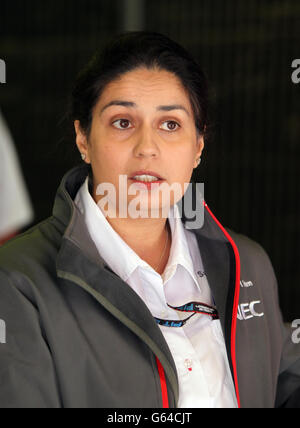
{"x": 129, "y": 51}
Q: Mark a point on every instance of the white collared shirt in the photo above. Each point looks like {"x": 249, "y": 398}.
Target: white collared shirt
{"x": 198, "y": 347}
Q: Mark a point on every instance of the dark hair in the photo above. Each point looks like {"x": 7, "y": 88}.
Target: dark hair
{"x": 128, "y": 51}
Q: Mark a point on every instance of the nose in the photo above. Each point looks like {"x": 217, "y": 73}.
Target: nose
{"x": 146, "y": 145}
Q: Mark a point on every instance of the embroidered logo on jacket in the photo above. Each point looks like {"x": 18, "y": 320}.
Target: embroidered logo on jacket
{"x": 250, "y": 310}
{"x": 246, "y": 284}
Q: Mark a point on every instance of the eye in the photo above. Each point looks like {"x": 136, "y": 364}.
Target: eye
{"x": 172, "y": 125}
{"x": 122, "y": 123}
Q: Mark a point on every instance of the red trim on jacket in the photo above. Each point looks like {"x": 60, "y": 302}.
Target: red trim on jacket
{"x": 235, "y": 302}
{"x": 163, "y": 384}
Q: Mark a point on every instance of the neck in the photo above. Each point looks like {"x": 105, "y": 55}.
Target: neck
{"x": 149, "y": 238}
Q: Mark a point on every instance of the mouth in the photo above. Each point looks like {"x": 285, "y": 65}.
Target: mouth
{"x": 149, "y": 185}
{"x": 147, "y": 178}
{"x": 146, "y": 181}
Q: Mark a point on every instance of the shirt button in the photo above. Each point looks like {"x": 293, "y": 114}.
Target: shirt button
{"x": 188, "y": 364}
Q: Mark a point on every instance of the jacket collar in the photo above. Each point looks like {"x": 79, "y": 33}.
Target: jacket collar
{"x": 79, "y": 261}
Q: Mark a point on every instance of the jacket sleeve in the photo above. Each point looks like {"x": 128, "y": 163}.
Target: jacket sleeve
{"x": 288, "y": 372}
{"x": 288, "y": 382}
{"x": 288, "y": 387}
{"x": 27, "y": 375}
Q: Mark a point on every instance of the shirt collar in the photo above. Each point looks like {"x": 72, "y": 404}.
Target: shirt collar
{"x": 180, "y": 252}
{"x": 109, "y": 243}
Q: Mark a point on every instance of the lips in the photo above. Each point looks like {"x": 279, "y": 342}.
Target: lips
{"x": 143, "y": 172}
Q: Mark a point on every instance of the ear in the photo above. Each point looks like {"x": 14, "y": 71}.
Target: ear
{"x": 81, "y": 141}
{"x": 199, "y": 149}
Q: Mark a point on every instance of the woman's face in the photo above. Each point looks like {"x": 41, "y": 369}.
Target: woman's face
{"x": 143, "y": 124}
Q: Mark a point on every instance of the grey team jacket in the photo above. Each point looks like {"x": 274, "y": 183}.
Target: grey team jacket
{"x": 77, "y": 336}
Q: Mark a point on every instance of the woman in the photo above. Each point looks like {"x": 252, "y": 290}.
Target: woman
{"x": 110, "y": 303}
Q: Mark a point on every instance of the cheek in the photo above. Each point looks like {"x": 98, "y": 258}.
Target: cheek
{"x": 182, "y": 163}
{"x": 184, "y": 172}
{"x": 108, "y": 162}
{"x": 101, "y": 153}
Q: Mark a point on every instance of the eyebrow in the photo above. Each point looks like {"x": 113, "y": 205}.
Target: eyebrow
{"x": 134, "y": 105}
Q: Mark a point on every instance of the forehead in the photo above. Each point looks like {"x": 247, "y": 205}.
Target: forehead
{"x": 157, "y": 85}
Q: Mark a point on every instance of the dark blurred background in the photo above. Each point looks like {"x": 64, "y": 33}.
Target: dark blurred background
{"x": 251, "y": 165}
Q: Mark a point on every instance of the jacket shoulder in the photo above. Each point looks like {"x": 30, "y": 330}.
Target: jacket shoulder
{"x": 244, "y": 243}
{"x": 36, "y": 246}
{"x": 253, "y": 256}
